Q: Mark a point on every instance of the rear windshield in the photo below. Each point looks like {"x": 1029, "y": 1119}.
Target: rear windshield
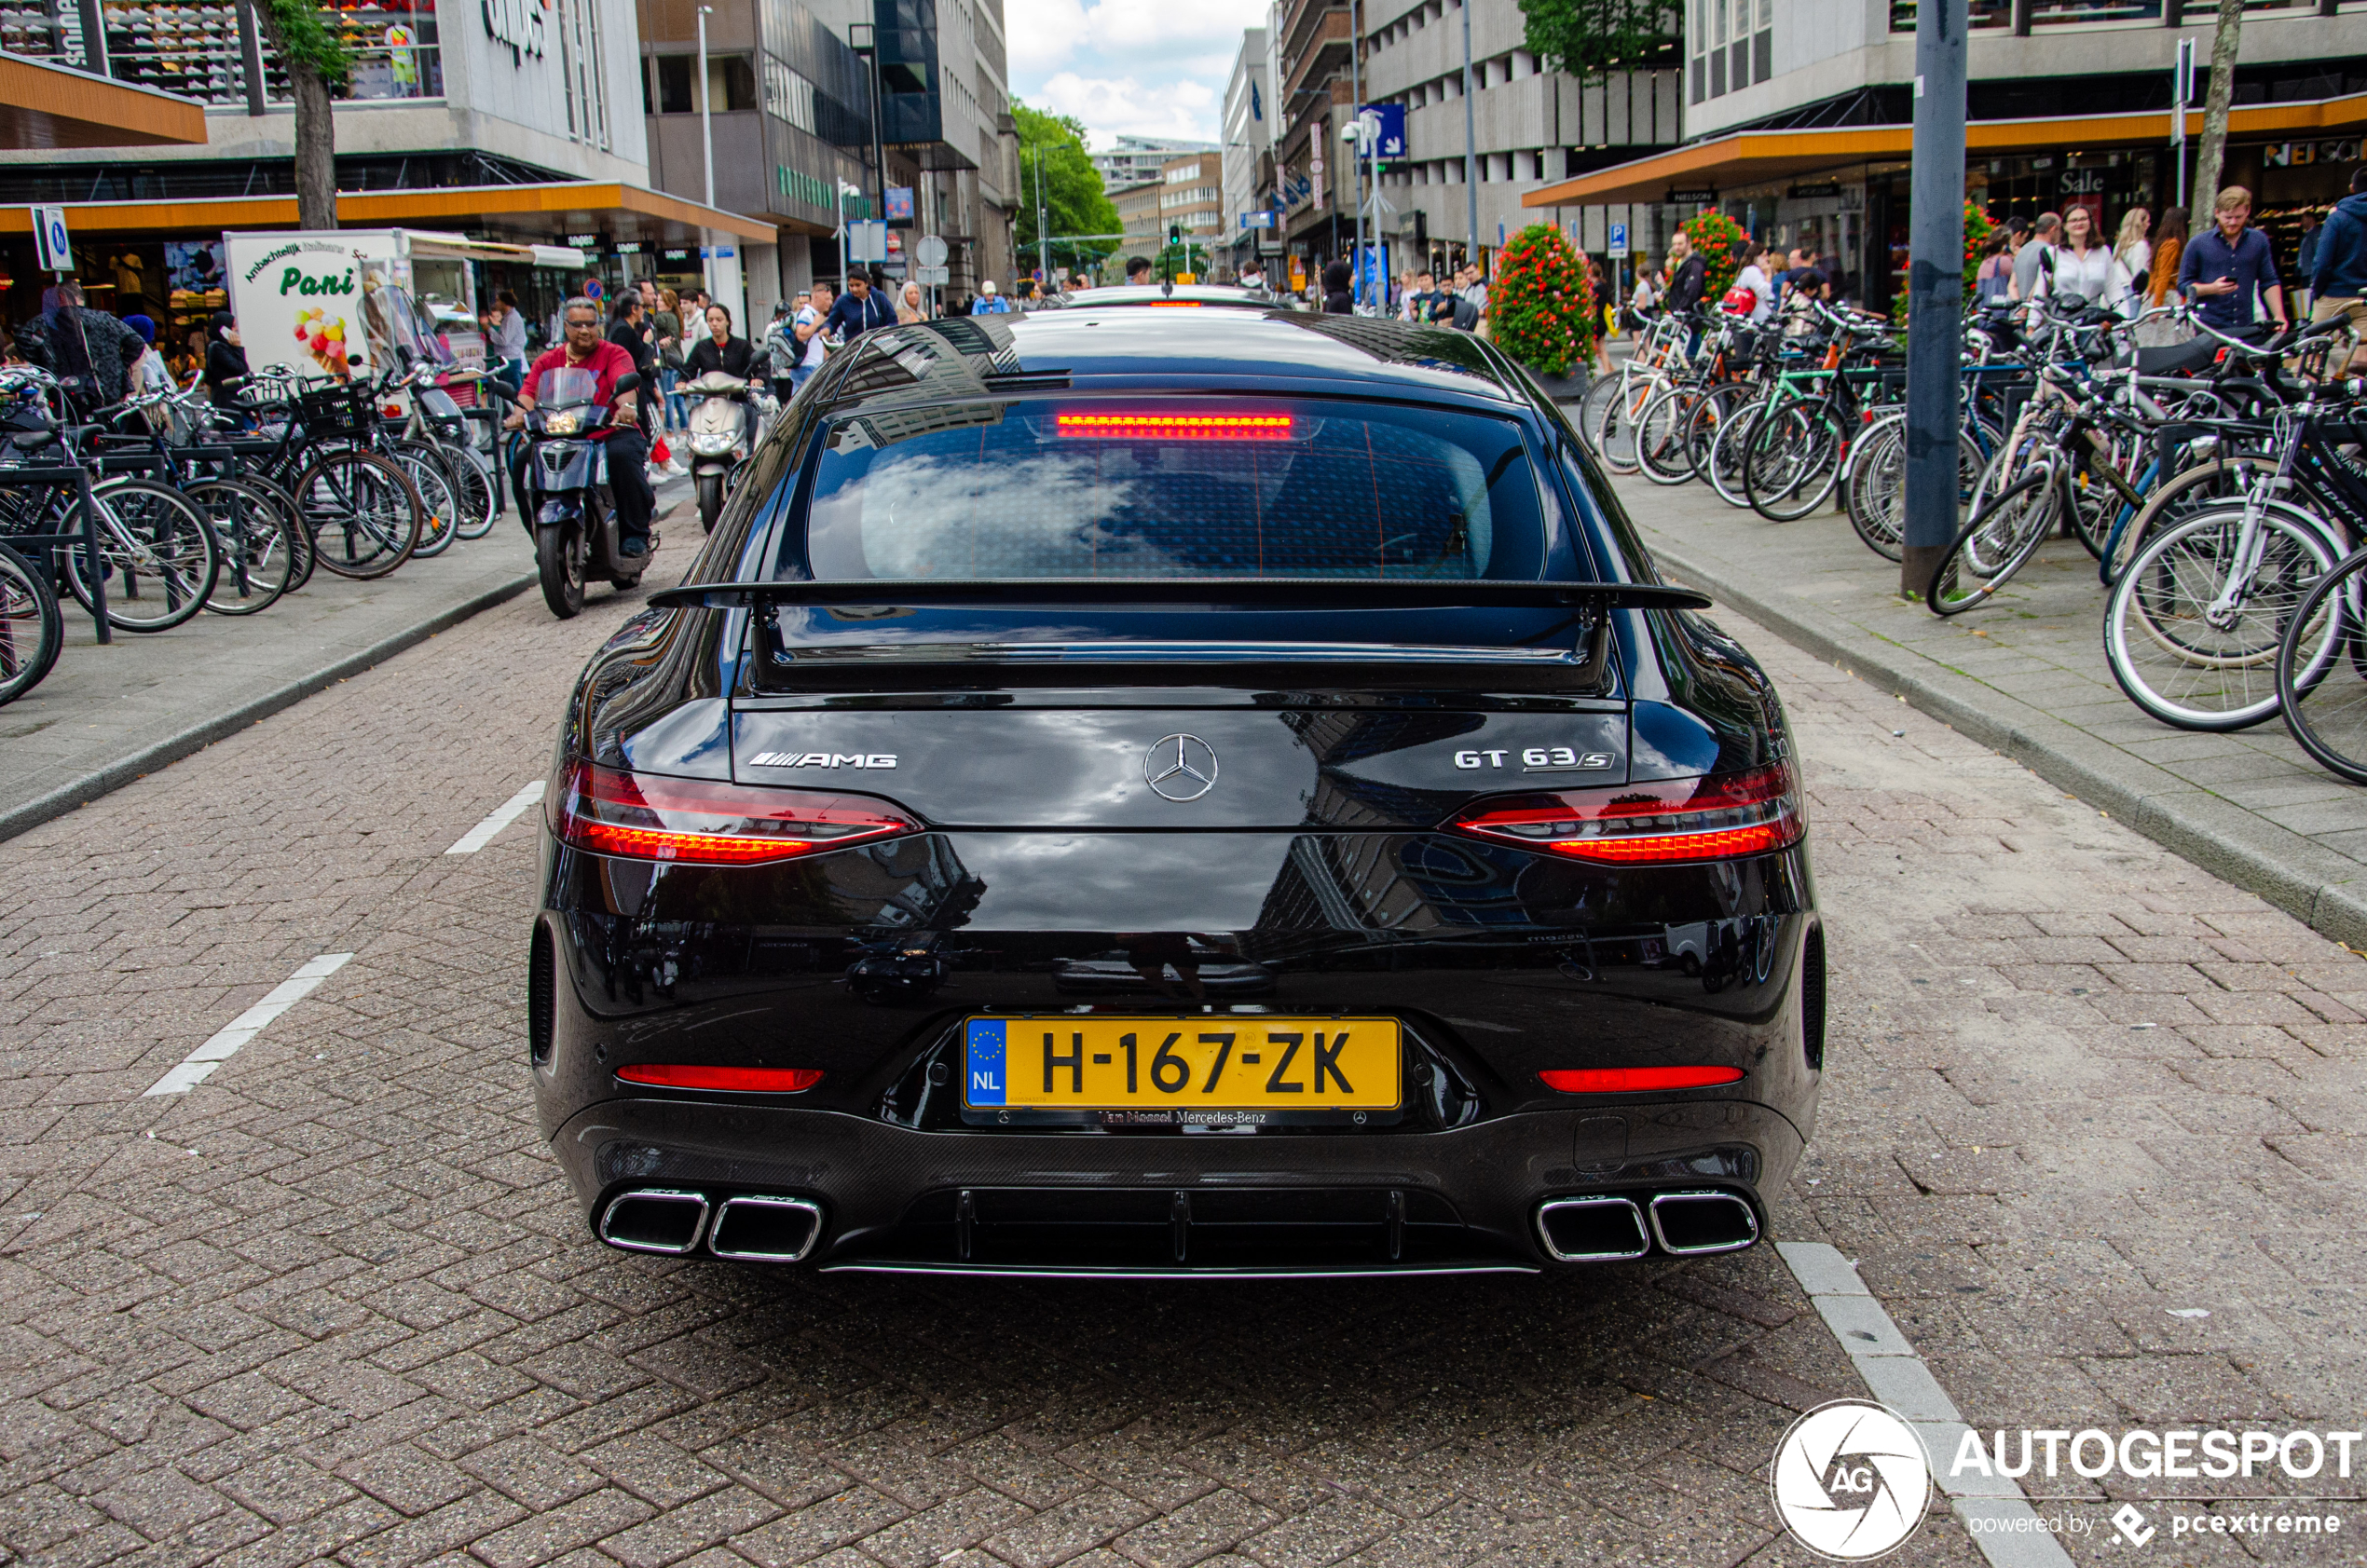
{"x": 1083, "y": 488}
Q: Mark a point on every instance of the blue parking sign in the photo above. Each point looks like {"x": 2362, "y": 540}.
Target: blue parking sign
{"x": 1618, "y": 247}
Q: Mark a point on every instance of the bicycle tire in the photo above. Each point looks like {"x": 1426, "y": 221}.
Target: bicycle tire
{"x": 359, "y": 512}
{"x": 2174, "y": 501}
{"x": 1663, "y": 456}
{"x": 1803, "y": 478}
{"x": 1968, "y": 575}
{"x": 479, "y": 496}
{"x": 257, "y": 540}
{"x": 2176, "y": 663}
{"x": 1603, "y": 389}
{"x": 2322, "y": 697}
{"x": 1615, "y": 430}
{"x": 32, "y": 626}
{"x": 284, "y": 499}
{"x": 157, "y": 556}
{"x": 423, "y": 463}
{"x": 1729, "y": 450}
{"x": 1875, "y": 496}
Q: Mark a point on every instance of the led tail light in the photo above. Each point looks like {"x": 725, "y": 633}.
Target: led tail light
{"x": 1175, "y": 426}
{"x": 1636, "y": 1080}
{"x": 644, "y": 817}
{"x": 736, "y": 1080}
{"x": 1658, "y": 824}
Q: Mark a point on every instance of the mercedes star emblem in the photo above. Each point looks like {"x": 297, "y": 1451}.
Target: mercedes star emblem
{"x": 1180, "y": 767}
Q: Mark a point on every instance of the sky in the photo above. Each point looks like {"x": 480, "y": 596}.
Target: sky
{"x": 1143, "y": 67}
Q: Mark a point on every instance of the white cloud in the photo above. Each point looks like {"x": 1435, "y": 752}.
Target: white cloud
{"x": 1109, "y": 108}
{"x": 1149, "y": 67}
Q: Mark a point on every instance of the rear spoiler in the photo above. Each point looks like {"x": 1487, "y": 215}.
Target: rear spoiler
{"x": 1289, "y": 592}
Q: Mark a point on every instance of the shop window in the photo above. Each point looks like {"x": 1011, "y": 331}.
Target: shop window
{"x": 731, "y": 82}
{"x": 674, "y": 84}
{"x": 194, "y": 50}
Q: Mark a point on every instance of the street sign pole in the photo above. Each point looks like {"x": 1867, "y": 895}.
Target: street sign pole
{"x": 1935, "y": 292}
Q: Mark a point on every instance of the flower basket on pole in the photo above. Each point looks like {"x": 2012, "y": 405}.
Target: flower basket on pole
{"x": 1541, "y": 305}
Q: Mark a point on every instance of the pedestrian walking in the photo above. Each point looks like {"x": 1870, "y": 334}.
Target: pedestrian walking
{"x": 811, "y": 328}
{"x": 2232, "y": 270}
{"x": 2161, "y": 287}
{"x": 778, "y": 354}
{"x": 989, "y": 303}
{"x": 1753, "y": 295}
{"x": 667, "y": 320}
{"x": 2133, "y": 259}
{"x": 1993, "y": 283}
{"x": 1687, "y": 274}
{"x": 1138, "y": 269}
{"x": 911, "y": 306}
{"x": 2078, "y": 271}
{"x": 2035, "y": 255}
{"x": 90, "y": 352}
{"x": 505, "y": 340}
{"x": 1338, "y": 299}
{"x": 2339, "y": 285}
{"x": 859, "y": 310}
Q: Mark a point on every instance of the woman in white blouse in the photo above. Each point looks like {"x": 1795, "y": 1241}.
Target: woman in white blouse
{"x": 2082, "y": 265}
{"x": 2132, "y": 256}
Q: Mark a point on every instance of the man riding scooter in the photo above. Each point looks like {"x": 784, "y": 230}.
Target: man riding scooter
{"x": 628, "y": 453}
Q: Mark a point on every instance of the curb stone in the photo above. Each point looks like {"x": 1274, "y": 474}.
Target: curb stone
{"x": 2310, "y": 882}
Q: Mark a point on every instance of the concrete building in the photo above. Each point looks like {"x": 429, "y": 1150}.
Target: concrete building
{"x": 1190, "y": 204}
{"x": 1249, "y": 123}
{"x": 1526, "y": 125}
{"x": 1137, "y": 159}
{"x": 1799, "y": 117}
{"x": 1137, "y": 218}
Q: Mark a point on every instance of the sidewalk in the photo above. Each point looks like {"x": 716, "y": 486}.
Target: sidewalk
{"x": 108, "y": 714}
{"x": 2027, "y": 676}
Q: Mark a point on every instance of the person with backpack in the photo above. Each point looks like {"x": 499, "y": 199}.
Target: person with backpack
{"x": 2338, "y": 283}
{"x": 90, "y": 352}
{"x": 781, "y": 350}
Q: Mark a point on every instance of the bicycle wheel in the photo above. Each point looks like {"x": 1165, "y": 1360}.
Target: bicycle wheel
{"x": 424, "y": 466}
{"x": 1796, "y": 461}
{"x": 1876, "y": 495}
{"x": 1662, "y": 451}
{"x": 1729, "y": 450}
{"x": 258, "y": 544}
{"x": 2187, "y": 650}
{"x": 157, "y": 556}
{"x": 1602, "y": 393}
{"x": 1615, "y": 427}
{"x": 2003, "y": 533}
{"x": 359, "y": 512}
{"x": 480, "y": 497}
{"x": 31, "y": 627}
{"x": 300, "y": 567}
{"x": 2177, "y": 499}
{"x": 2322, "y": 670}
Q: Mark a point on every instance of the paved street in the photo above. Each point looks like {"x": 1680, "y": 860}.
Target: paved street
{"x": 334, "y": 1305}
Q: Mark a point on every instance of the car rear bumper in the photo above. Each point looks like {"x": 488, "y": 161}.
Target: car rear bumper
{"x": 894, "y": 1199}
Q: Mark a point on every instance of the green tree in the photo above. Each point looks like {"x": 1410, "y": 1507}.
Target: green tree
{"x": 1589, "y": 37}
{"x": 316, "y": 64}
{"x": 1074, "y": 200}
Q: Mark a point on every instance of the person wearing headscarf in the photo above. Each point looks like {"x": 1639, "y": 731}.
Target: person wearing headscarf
{"x": 226, "y": 364}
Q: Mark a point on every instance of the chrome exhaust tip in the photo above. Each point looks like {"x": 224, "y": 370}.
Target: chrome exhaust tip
{"x": 1592, "y": 1230}
{"x": 654, "y": 1219}
{"x": 1688, "y": 1224}
{"x": 765, "y": 1230}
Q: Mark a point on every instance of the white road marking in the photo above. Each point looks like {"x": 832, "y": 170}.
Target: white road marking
{"x": 1898, "y": 1378}
{"x": 247, "y": 1025}
{"x": 502, "y": 817}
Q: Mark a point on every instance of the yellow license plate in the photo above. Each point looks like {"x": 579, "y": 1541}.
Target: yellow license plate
{"x": 1216, "y": 1067}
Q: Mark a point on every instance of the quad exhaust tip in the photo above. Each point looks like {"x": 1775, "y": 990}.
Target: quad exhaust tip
{"x": 1689, "y": 1224}
{"x": 672, "y": 1222}
{"x": 1615, "y": 1229}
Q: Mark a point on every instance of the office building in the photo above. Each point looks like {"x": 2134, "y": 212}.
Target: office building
{"x": 1248, "y": 178}
{"x": 1137, "y": 159}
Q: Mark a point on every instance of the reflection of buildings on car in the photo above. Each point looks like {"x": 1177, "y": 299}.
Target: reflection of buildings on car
{"x": 1798, "y": 119}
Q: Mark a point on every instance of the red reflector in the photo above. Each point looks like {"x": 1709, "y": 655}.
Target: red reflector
{"x": 641, "y": 816}
{"x": 1633, "y": 1079}
{"x": 1717, "y": 817}
{"x": 738, "y": 1080}
{"x": 1175, "y": 426}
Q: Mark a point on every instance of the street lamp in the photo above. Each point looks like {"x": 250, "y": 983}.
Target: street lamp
{"x": 863, "y": 38}
{"x": 706, "y": 106}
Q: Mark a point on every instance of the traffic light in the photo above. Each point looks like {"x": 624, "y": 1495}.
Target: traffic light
{"x": 1175, "y": 234}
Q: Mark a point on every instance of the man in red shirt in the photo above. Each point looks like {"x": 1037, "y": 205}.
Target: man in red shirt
{"x": 628, "y": 453}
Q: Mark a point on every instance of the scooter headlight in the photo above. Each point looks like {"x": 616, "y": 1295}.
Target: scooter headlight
{"x": 564, "y": 422}
{"x": 713, "y": 445}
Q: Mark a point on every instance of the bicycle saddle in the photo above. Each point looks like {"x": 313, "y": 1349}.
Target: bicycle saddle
{"x": 2178, "y": 359}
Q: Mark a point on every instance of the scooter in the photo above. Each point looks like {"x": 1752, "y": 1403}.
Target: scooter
{"x": 722, "y": 434}
{"x": 567, "y": 499}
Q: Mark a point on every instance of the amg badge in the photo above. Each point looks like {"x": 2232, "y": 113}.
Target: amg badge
{"x": 821, "y": 759}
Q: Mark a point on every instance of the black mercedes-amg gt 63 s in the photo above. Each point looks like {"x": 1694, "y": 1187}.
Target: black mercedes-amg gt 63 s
{"x": 1175, "y": 792}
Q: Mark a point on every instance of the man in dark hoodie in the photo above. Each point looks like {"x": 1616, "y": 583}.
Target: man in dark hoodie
{"x": 2338, "y": 285}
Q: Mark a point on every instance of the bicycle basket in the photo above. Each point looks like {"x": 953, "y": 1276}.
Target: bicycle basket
{"x": 337, "y": 411}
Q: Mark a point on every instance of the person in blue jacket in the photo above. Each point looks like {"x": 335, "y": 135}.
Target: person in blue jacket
{"x": 2338, "y": 283}
{"x": 858, "y": 311}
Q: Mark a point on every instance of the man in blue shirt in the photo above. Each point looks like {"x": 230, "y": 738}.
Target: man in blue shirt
{"x": 2223, "y": 269}
{"x": 989, "y": 302}
{"x": 858, "y": 311}
{"x": 2339, "y": 285}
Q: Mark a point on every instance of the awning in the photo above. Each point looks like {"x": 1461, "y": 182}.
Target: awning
{"x": 525, "y": 213}
{"x": 1752, "y": 157}
{"x": 45, "y": 105}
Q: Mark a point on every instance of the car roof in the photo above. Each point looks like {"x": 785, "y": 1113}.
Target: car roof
{"x": 968, "y": 357}
{"x": 1166, "y": 294}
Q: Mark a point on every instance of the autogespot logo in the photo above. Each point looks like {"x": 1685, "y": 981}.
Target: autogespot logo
{"x": 1851, "y": 1481}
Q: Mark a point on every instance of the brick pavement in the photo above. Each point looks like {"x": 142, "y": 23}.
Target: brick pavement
{"x": 335, "y": 1305}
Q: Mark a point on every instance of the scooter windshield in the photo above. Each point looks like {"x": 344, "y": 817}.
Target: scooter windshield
{"x": 568, "y": 384}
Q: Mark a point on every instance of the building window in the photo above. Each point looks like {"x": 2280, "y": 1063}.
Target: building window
{"x": 674, "y": 84}
{"x": 1698, "y": 63}
{"x": 789, "y": 97}
{"x": 1717, "y": 74}
{"x": 1762, "y": 53}
{"x": 731, "y": 82}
